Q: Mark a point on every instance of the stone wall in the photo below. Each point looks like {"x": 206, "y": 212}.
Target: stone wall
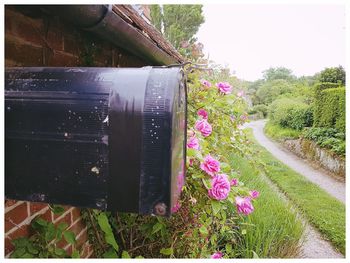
{"x": 328, "y": 160}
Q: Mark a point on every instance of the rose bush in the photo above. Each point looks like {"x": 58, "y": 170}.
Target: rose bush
{"x": 209, "y": 219}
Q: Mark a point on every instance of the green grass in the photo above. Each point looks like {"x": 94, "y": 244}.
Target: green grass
{"x": 277, "y": 132}
{"x": 273, "y": 229}
{"x": 323, "y": 211}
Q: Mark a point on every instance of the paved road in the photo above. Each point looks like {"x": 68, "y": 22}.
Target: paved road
{"x": 313, "y": 246}
{"x": 332, "y": 186}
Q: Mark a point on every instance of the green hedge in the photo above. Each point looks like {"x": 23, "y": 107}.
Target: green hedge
{"x": 329, "y": 110}
{"x": 291, "y": 113}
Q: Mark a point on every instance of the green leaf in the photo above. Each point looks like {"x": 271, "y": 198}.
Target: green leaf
{"x": 18, "y": 252}
{"x": 167, "y": 251}
{"x": 60, "y": 251}
{"x": 27, "y": 255}
{"x": 125, "y": 254}
{"x": 203, "y": 230}
{"x": 244, "y": 231}
{"x": 111, "y": 240}
{"x": 224, "y": 166}
{"x": 103, "y": 223}
{"x": 75, "y": 254}
{"x": 139, "y": 257}
{"x": 62, "y": 226}
{"x": 41, "y": 221}
{"x": 69, "y": 236}
{"x": 20, "y": 242}
{"x": 50, "y": 232}
{"x": 157, "y": 227}
{"x": 205, "y": 184}
{"x": 190, "y": 152}
{"x": 110, "y": 254}
{"x": 56, "y": 209}
{"x": 228, "y": 248}
{"x": 216, "y": 206}
{"x": 31, "y": 249}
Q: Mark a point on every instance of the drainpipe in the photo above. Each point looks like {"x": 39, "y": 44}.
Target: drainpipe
{"x": 103, "y": 22}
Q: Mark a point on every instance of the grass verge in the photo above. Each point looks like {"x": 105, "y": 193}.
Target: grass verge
{"x": 273, "y": 230}
{"x": 323, "y": 211}
{"x": 279, "y": 133}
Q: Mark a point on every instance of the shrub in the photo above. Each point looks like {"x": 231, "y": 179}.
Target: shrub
{"x": 261, "y": 108}
{"x": 329, "y": 138}
{"x": 291, "y": 113}
{"x": 329, "y": 108}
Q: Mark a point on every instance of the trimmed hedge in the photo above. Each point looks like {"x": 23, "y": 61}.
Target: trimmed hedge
{"x": 329, "y": 110}
{"x": 291, "y": 113}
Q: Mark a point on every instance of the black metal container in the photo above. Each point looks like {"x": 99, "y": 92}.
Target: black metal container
{"x": 106, "y": 138}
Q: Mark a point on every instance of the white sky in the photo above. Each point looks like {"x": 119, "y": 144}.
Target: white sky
{"x": 252, "y": 38}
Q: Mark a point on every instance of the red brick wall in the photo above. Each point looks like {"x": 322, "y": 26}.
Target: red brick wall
{"x": 36, "y": 40}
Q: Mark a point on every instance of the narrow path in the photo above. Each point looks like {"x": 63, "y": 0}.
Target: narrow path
{"x": 312, "y": 245}
{"x": 332, "y": 186}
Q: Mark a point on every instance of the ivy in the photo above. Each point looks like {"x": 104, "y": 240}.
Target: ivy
{"x": 44, "y": 242}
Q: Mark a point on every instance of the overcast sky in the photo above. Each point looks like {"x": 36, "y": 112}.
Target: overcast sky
{"x": 252, "y": 38}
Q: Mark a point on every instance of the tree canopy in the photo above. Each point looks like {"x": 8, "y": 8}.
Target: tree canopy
{"x": 178, "y": 23}
{"x": 278, "y": 73}
{"x": 333, "y": 75}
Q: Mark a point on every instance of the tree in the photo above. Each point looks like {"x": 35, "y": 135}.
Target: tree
{"x": 178, "y": 23}
{"x": 333, "y": 75}
{"x": 270, "y": 90}
{"x": 278, "y": 73}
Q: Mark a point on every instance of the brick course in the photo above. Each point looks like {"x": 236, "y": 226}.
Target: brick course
{"x": 46, "y": 41}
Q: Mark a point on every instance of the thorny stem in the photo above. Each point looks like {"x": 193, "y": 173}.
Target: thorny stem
{"x": 97, "y": 234}
{"x": 121, "y": 232}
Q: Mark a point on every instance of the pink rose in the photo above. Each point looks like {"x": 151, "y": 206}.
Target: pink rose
{"x": 204, "y": 127}
{"x": 176, "y": 207}
{"x": 190, "y": 163}
{"x": 234, "y": 182}
{"x": 224, "y": 87}
{"x": 240, "y": 93}
{"x": 205, "y": 83}
{"x": 210, "y": 165}
{"x": 244, "y": 205}
{"x": 217, "y": 255}
{"x": 220, "y": 187}
{"x": 254, "y": 194}
{"x": 202, "y": 113}
{"x": 193, "y": 143}
{"x": 244, "y": 117}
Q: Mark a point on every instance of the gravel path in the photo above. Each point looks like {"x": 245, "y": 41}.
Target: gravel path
{"x": 317, "y": 176}
{"x": 313, "y": 245}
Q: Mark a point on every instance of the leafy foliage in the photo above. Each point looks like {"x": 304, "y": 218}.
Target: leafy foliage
{"x": 329, "y": 138}
{"x": 178, "y": 23}
{"x": 261, "y": 109}
{"x": 43, "y": 243}
{"x": 330, "y": 108}
{"x": 271, "y": 90}
{"x": 202, "y": 225}
{"x": 278, "y": 73}
{"x": 333, "y": 75}
{"x": 291, "y": 113}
